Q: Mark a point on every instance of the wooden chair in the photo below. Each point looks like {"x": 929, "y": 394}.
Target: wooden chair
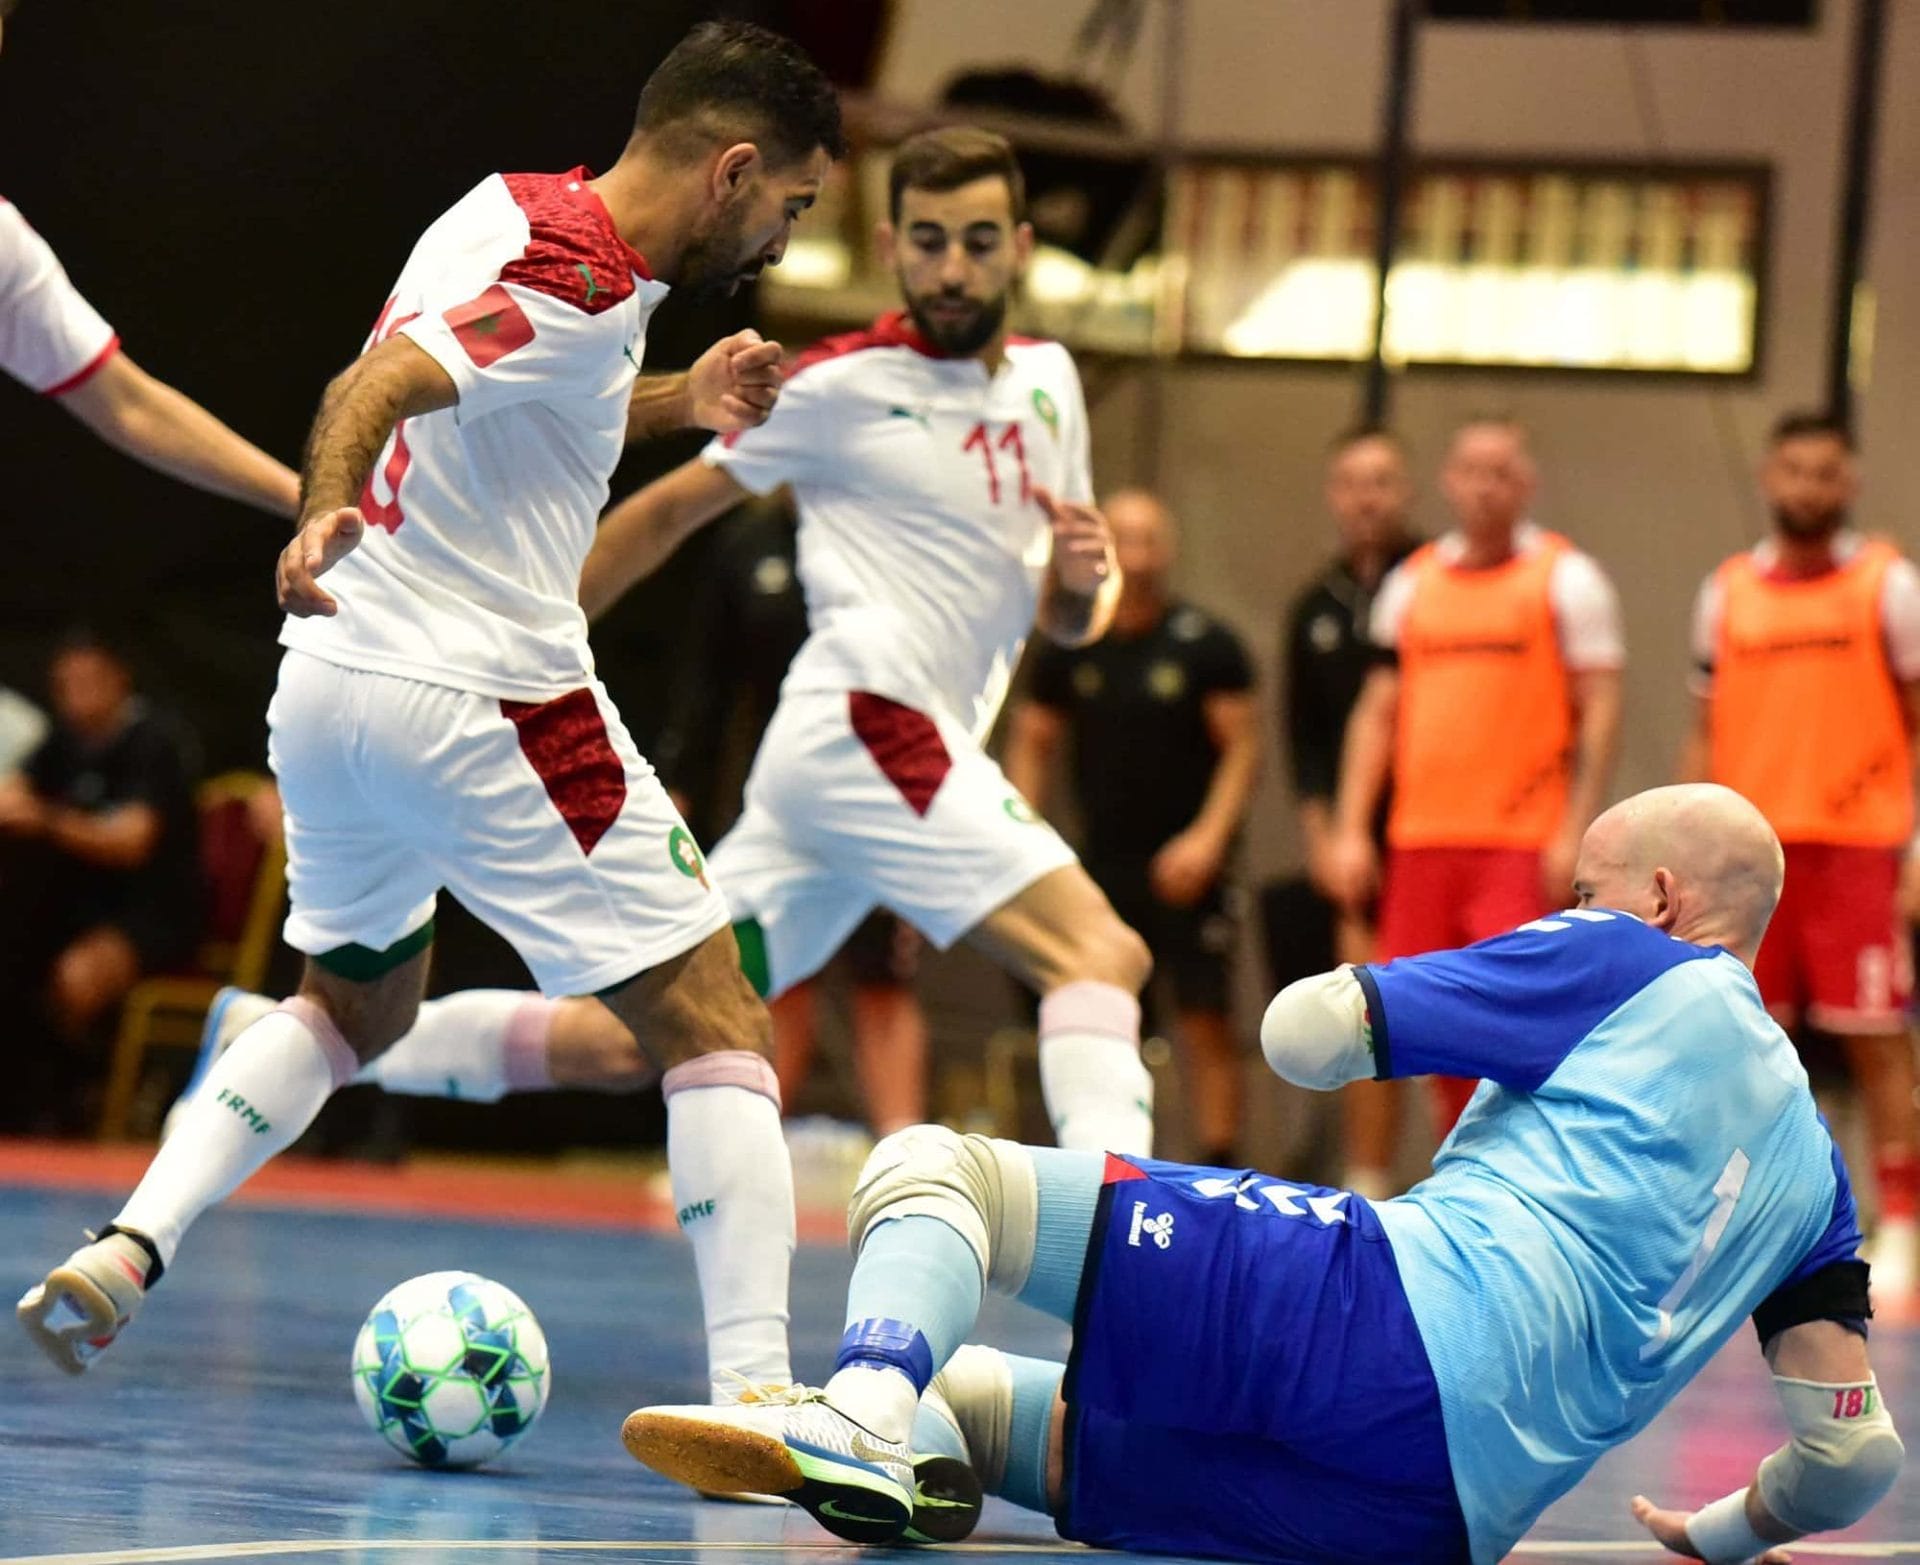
{"x": 243, "y": 862}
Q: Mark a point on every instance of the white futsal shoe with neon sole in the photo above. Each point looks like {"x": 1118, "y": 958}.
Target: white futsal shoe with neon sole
{"x": 233, "y": 1011}
{"x": 787, "y": 1441}
{"x": 86, "y": 1302}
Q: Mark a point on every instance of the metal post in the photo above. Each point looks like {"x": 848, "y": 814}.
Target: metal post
{"x": 1395, "y": 107}
{"x": 1150, "y": 450}
{"x": 1863, "y": 124}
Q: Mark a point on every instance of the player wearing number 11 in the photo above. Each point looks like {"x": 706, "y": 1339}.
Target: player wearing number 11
{"x": 940, "y": 468}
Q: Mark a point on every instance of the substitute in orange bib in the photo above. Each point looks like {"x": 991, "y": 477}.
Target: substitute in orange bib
{"x": 1808, "y": 652}
{"x": 1494, "y": 711}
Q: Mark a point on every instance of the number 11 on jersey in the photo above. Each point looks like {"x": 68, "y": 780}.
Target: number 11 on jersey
{"x": 980, "y": 439}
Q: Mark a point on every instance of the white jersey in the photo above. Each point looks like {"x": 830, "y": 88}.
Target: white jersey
{"x": 479, "y": 516}
{"x": 921, "y": 546}
{"x": 51, "y": 339}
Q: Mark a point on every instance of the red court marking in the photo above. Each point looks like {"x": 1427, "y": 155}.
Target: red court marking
{"x": 478, "y": 1191}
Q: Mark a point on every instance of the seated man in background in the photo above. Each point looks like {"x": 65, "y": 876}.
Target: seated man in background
{"x": 99, "y": 877}
{"x": 1277, "y": 1372}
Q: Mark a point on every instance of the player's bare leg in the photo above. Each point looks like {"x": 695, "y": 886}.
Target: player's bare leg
{"x": 1062, "y": 938}
{"x": 708, "y": 1032}
{"x": 1215, "y": 1073}
{"x": 794, "y": 1042}
{"x": 890, "y": 1056}
{"x": 259, "y": 1096}
{"x": 1884, "y": 1075}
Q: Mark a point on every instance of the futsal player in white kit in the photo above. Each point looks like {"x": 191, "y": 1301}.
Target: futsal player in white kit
{"x": 438, "y": 723}
{"x": 941, "y": 471}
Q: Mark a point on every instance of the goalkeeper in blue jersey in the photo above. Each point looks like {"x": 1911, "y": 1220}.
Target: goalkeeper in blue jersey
{"x": 1263, "y": 1370}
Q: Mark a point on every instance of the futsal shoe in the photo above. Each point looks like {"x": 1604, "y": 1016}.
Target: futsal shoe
{"x": 233, "y": 1011}
{"x": 788, "y": 1441}
{"x": 946, "y": 1491}
{"x": 85, "y": 1303}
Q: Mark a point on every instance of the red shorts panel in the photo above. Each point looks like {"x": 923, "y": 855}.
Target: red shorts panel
{"x": 1835, "y": 953}
{"x": 1433, "y": 899}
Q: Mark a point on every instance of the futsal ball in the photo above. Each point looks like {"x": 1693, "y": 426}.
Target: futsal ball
{"x": 450, "y": 1369}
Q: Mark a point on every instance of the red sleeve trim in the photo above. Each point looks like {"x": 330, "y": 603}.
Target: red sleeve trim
{"x": 86, "y": 372}
{"x": 573, "y": 252}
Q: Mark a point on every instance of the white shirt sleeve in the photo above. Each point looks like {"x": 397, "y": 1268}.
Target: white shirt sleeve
{"x": 787, "y": 448}
{"x": 1900, "y": 619}
{"x": 511, "y": 343}
{"x": 50, "y": 337}
{"x": 1586, "y": 610}
{"x": 1390, "y": 608}
{"x": 1704, "y": 638}
{"x": 1079, "y": 437}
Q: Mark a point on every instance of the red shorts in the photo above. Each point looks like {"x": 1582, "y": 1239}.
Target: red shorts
{"x": 1433, "y": 899}
{"x": 1835, "y": 953}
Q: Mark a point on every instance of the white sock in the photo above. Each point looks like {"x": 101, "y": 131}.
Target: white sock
{"x": 476, "y": 1046}
{"x": 257, "y": 1099}
{"x": 878, "y": 1398}
{"x": 1098, "y": 1094}
{"x": 733, "y": 1198}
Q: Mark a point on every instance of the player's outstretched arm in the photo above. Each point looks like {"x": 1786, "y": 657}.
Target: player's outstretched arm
{"x": 396, "y": 380}
{"x": 731, "y": 387}
{"x": 1082, "y": 587}
{"x": 1316, "y": 1034}
{"x": 1842, "y": 1460}
{"x": 167, "y": 430}
{"x": 639, "y": 534}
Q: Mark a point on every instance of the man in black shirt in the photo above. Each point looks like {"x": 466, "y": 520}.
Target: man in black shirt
{"x": 748, "y": 624}
{"x": 98, "y": 852}
{"x": 1327, "y": 656}
{"x": 1165, "y": 746}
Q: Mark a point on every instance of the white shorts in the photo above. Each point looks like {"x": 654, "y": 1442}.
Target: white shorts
{"x": 856, "y": 801}
{"x": 541, "y": 818}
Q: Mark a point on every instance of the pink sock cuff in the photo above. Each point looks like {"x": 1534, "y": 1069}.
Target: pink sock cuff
{"x": 724, "y": 1068}
{"x": 525, "y": 1048}
{"x": 342, "y": 1062}
{"x": 1091, "y": 1006}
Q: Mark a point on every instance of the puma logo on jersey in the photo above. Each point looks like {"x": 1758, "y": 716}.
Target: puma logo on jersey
{"x": 917, "y": 415}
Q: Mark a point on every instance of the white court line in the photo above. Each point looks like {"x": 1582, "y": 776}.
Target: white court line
{"x": 536, "y": 1546}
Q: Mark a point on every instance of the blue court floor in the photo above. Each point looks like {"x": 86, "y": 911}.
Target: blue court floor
{"x": 222, "y": 1425}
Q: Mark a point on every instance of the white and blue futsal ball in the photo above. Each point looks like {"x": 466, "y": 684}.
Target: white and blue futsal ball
{"x": 450, "y": 1369}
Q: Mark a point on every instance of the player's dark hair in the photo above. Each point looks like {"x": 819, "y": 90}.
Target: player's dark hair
{"x": 89, "y": 638}
{"x": 733, "y": 81}
{"x": 1805, "y": 424}
{"x": 953, "y": 156}
{"x": 1359, "y": 434}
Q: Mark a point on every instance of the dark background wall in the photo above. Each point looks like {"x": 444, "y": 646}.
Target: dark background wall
{"x": 235, "y": 188}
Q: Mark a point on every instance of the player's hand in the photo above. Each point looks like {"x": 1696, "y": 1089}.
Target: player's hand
{"x": 734, "y": 384}
{"x": 1669, "y": 1529}
{"x": 323, "y": 541}
{"x": 1557, "y": 860}
{"x": 1082, "y": 545}
{"x": 1186, "y": 867}
{"x": 1352, "y": 869}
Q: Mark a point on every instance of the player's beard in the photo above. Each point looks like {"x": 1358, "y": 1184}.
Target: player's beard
{"x": 1809, "y": 526}
{"x": 712, "y": 268}
{"x": 962, "y": 335}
